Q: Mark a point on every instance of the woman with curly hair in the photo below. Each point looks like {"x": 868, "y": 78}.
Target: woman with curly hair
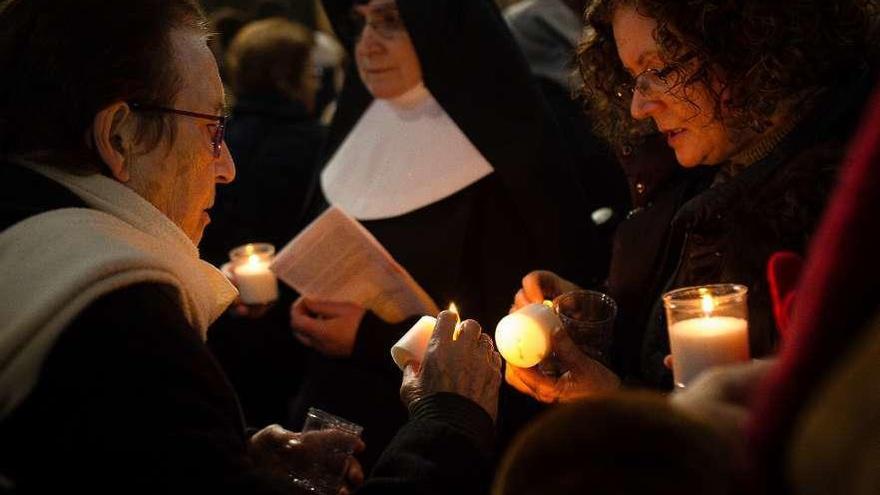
{"x": 764, "y": 96}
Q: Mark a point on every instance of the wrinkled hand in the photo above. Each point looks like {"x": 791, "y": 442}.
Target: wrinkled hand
{"x": 328, "y": 327}
{"x": 540, "y": 285}
{"x": 468, "y": 366}
{"x": 721, "y": 396}
{"x": 283, "y": 453}
{"x": 581, "y": 375}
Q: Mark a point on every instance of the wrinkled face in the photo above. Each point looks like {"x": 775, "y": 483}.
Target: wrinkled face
{"x": 386, "y": 58}
{"x": 689, "y": 125}
{"x": 181, "y": 181}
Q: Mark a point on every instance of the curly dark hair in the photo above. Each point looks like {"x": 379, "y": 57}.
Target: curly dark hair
{"x": 762, "y": 52}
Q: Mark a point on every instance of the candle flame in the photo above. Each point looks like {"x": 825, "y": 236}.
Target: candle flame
{"x": 253, "y": 259}
{"x": 708, "y": 304}
{"x": 454, "y": 309}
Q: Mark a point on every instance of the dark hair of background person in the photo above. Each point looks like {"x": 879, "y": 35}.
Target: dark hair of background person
{"x": 62, "y": 66}
{"x": 630, "y": 442}
{"x": 750, "y": 54}
{"x": 577, "y": 6}
{"x": 264, "y": 9}
{"x": 271, "y": 57}
{"x": 226, "y": 22}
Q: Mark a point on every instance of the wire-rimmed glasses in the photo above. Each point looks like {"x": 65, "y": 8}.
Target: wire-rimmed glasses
{"x": 652, "y": 82}
{"x": 219, "y": 132}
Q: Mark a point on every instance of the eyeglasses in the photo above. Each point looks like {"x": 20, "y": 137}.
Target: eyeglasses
{"x": 652, "y": 82}
{"x": 386, "y": 22}
{"x": 219, "y": 132}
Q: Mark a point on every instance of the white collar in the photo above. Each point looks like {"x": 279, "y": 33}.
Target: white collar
{"x": 403, "y": 154}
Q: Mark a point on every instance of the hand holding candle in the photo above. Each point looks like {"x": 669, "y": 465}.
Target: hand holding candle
{"x": 523, "y": 337}
{"x": 412, "y": 346}
{"x": 582, "y": 375}
{"x": 467, "y": 365}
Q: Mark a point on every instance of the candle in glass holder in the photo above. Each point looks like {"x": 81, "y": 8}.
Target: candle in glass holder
{"x": 250, "y": 265}
{"x": 708, "y": 327}
{"x": 523, "y": 337}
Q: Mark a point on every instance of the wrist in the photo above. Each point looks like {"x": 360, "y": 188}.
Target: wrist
{"x": 457, "y": 411}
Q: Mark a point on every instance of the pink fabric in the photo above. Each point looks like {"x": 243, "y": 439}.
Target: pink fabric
{"x": 783, "y": 272}
{"x": 836, "y": 295}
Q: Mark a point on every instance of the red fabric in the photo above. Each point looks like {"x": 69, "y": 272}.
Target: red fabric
{"x": 783, "y": 271}
{"x": 836, "y": 296}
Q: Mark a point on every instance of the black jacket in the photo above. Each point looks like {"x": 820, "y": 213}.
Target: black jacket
{"x": 726, "y": 232}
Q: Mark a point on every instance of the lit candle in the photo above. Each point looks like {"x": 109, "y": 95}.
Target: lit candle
{"x": 523, "y": 337}
{"x": 454, "y": 309}
{"x": 707, "y": 339}
{"x": 412, "y": 346}
{"x": 256, "y": 283}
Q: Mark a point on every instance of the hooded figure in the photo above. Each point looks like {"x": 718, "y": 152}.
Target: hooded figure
{"x": 443, "y": 148}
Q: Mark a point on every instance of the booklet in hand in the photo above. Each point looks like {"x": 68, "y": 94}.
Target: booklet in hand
{"x": 335, "y": 258}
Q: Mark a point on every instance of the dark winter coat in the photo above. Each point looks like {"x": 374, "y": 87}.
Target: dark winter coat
{"x": 726, "y": 232}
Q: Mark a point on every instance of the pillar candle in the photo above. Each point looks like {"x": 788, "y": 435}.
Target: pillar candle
{"x": 255, "y": 282}
{"x": 701, "y": 343}
{"x": 414, "y": 343}
{"x": 523, "y": 337}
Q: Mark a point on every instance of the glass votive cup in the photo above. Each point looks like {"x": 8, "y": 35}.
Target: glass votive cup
{"x": 588, "y": 317}
{"x": 708, "y": 327}
{"x": 250, "y": 268}
{"x": 326, "y": 471}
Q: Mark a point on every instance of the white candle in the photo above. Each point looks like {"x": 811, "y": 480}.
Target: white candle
{"x": 412, "y": 346}
{"x": 256, "y": 283}
{"x": 701, "y": 343}
{"x": 523, "y": 337}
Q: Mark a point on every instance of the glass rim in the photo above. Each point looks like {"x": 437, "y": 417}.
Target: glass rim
{"x": 252, "y": 248}
{"x": 721, "y": 294}
{"x": 337, "y": 422}
{"x": 593, "y": 293}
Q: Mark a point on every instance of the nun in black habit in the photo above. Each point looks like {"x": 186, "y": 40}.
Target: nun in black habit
{"x": 451, "y": 159}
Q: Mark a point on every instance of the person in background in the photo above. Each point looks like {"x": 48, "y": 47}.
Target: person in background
{"x": 106, "y": 385}
{"x": 272, "y": 136}
{"x": 276, "y": 143}
{"x": 225, "y": 23}
{"x": 330, "y": 60}
{"x": 548, "y": 31}
{"x": 627, "y": 442}
{"x": 769, "y": 138}
{"x": 265, "y": 9}
{"x": 440, "y": 133}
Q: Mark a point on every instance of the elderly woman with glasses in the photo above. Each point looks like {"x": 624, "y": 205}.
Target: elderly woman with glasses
{"x": 757, "y": 100}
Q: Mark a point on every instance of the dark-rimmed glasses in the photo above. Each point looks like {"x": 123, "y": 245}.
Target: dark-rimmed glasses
{"x": 219, "y": 132}
{"x": 652, "y": 82}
